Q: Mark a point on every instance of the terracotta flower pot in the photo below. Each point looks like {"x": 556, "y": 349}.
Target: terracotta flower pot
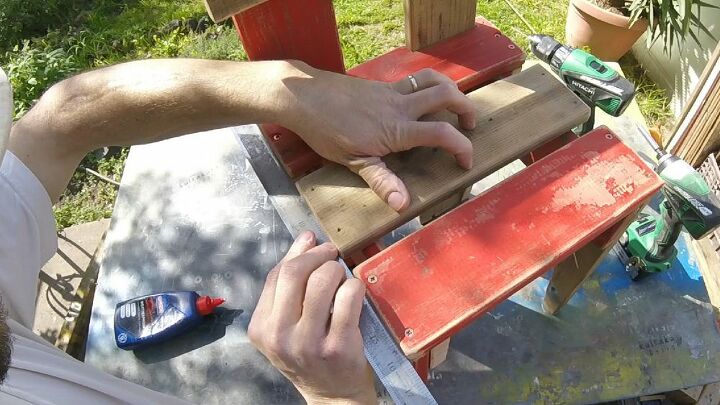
{"x": 608, "y": 35}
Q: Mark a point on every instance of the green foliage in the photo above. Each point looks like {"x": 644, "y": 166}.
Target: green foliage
{"x": 21, "y": 19}
{"x": 651, "y": 98}
{"x": 87, "y": 197}
{"x": 545, "y": 17}
{"x": 670, "y": 20}
{"x": 368, "y": 28}
{"x": 84, "y": 34}
{"x": 219, "y": 42}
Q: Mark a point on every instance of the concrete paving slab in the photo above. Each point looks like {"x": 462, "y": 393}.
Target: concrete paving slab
{"x": 57, "y": 300}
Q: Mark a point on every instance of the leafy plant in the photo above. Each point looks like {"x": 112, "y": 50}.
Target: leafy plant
{"x": 21, "y": 19}
{"x": 33, "y": 68}
{"x": 671, "y": 20}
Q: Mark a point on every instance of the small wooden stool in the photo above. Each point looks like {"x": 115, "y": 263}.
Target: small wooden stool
{"x": 566, "y": 209}
{"x": 577, "y": 200}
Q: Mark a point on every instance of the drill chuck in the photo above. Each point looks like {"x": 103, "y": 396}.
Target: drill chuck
{"x": 590, "y": 78}
{"x": 545, "y": 47}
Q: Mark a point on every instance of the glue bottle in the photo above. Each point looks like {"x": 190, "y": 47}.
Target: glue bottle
{"x": 155, "y": 318}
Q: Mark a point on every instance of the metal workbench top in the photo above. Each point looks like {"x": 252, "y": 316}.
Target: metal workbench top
{"x": 191, "y": 214}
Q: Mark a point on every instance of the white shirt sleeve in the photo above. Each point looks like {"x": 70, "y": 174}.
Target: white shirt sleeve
{"x": 28, "y": 237}
{"x": 40, "y": 373}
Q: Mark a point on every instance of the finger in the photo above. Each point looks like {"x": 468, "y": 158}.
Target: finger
{"x": 302, "y": 243}
{"x": 292, "y": 280}
{"x": 441, "y": 135}
{"x": 384, "y": 183}
{"x": 319, "y": 294}
{"x": 443, "y": 97}
{"x": 346, "y": 308}
{"x": 425, "y": 78}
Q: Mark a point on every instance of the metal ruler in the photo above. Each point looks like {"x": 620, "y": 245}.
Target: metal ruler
{"x": 390, "y": 364}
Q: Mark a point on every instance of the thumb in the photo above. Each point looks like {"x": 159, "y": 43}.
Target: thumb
{"x": 386, "y": 184}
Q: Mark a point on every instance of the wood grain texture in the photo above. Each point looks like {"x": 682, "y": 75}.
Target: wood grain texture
{"x": 281, "y": 29}
{"x": 430, "y": 21}
{"x": 514, "y": 116}
{"x": 431, "y": 284}
{"x": 698, "y": 131}
{"x": 569, "y": 274}
{"x": 710, "y": 395}
{"x": 220, "y": 10}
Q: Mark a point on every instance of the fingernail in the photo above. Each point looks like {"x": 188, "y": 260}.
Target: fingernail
{"x": 395, "y": 200}
{"x": 306, "y": 237}
{"x": 329, "y": 245}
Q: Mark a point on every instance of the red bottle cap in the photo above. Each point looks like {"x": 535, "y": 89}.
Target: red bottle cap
{"x": 205, "y": 304}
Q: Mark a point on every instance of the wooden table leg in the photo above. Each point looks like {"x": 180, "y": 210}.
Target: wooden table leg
{"x": 571, "y": 272}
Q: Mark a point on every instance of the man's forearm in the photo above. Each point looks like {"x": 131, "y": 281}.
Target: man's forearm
{"x": 141, "y": 102}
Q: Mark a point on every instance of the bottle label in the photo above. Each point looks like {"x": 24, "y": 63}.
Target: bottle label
{"x": 148, "y": 316}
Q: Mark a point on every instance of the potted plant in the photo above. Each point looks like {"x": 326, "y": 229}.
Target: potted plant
{"x": 610, "y": 27}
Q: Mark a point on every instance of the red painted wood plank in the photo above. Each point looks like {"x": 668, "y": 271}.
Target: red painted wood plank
{"x": 422, "y": 366}
{"x": 296, "y": 156}
{"x": 282, "y": 29}
{"x": 473, "y": 58}
{"x": 437, "y": 280}
{"x": 304, "y": 30}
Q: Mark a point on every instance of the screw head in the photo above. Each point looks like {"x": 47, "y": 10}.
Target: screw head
{"x": 497, "y": 35}
{"x": 511, "y": 46}
{"x": 409, "y": 332}
{"x": 372, "y": 279}
{"x": 276, "y": 137}
{"x": 608, "y": 136}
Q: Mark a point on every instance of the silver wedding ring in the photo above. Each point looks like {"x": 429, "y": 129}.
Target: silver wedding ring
{"x": 413, "y": 83}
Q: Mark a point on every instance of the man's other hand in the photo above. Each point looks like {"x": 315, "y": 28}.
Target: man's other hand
{"x": 306, "y": 324}
{"x": 355, "y": 122}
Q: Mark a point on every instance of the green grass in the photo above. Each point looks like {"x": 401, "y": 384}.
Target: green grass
{"x": 652, "y": 99}
{"x": 45, "y": 41}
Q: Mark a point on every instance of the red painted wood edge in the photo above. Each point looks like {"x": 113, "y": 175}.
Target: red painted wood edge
{"x": 548, "y": 148}
{"x": 304, "y": 30}
{"x": 422, "y": 366}
{"x": 440, "y": 278}
{"x": 294, "y": 154}
{"x": 478, "y": 56}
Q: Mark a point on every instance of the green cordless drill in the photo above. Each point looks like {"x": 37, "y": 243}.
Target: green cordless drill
{"x": 596, "y": 83}
{"x": 688, "y": 203}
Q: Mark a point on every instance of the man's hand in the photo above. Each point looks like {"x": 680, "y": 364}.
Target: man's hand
{"x": 355, "y": 122}
{"x": 306, "y": 324}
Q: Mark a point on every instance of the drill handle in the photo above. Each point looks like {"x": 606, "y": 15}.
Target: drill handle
{"x": 588, "y": 125}
{"x": 668, "y": 234}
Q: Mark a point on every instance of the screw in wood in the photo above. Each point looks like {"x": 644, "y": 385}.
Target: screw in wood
{"x": 497, "y": 35}
{"x": 608, "y": 136}
{"x": 511, "y": 46}
{"x": 409, "y": 332}
{"x": 276, "y": 137}
{"x": 372, "y": 279}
